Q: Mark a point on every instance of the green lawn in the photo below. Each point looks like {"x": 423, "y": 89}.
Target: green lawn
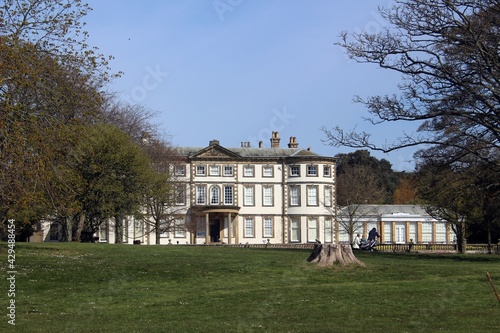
{"x": 127, "y": 288}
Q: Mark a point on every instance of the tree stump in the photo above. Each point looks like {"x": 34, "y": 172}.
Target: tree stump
{"x": 328, "y": 254}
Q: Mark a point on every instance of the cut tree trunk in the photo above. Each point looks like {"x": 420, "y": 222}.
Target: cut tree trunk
{"x": 328, "y": 254}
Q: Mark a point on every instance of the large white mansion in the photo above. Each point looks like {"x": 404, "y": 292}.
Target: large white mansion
{"x": 255, "y": 195}
{"x": 252, "y": 195}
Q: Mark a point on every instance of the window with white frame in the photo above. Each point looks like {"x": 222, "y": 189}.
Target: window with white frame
{"x": 327, "y": 171}
{"x": 228, "y": 195}
{"x": 295, "y": 195}
{"x": 228, "y": 170}
{"x": 312, "y": 170}
{"x": 180, "y": 231}
{"x": 267, "y": 195}
{"x": 440, "y": 232}
{"x": 248, "y": 171}
{"x": 295, "y": 230}
{"x": 248, "y": 196}
{"x": 400, "y": 233}
{"x": 201, "y": 170}
{"x": 426, "y": 232}
{"x": 180, "y": 170}
{"x": 413, "y": 231}
{"x": 328, "y": 196}
{"x": 312, "y": 195}
{"x": 103, "y": 232}
{"x": 312, "y": 229}
{"x": 267, "y": 171}
{"x": 295, "y": 170}
{"x": 328, "y": 230}
{"x": 268, "y": 227}
{"x": 201, "y": 195}
{"x": 343, "y": 234}
{"x": 180, "y": 194}
{"x": 214, "y": 170}
{"x": 214, "y": 195}
{"x": 137, "y": 228}
{"x": 387, "y": 232}
{"x": 249, "y": 227}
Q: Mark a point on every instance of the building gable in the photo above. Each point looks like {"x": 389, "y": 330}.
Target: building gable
{"x": 215, "y": 151}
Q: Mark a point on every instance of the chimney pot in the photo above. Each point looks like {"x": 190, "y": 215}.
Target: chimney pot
{"x": 275, "y": 140}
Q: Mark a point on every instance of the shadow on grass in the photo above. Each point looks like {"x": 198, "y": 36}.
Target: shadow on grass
{"x": 441, "y": 256}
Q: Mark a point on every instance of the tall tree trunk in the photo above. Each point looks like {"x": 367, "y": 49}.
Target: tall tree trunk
{"x": 463, "y": 240}
{"x": 489, "y": 236}
{"x": 79, "y": 227}
{"x": 157, "y": 231}
{"x": 118, "y": 229}
{"x": 67, "y": 229}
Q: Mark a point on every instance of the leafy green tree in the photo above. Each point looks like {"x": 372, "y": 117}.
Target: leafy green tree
{"x": 43, "y": 108}
{"x": 406, "y": 191}
{"x": 115, "y": 173}
{"x": 459, "y": 198}
{"x": 384, "y": 178}
{"x": 49, "y": 89}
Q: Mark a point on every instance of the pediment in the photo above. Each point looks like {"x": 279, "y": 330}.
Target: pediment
{"x": 216, "y": 151}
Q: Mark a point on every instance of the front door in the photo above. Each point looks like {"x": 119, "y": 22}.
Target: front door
{"x": 215, "y": 231}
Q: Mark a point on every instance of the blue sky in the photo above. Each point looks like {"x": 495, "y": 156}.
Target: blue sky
{"x": 235, "y": 70}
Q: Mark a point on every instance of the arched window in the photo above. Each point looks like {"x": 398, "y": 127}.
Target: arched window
{"x": 214, "y": 195}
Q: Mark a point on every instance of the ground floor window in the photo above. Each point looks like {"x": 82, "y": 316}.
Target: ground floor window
{"x": 328, "y": 230}
{"x": 426, "y": 232}
{"x": 103, "y": 232}
{"x": 249, "y": 227}
{"x": 180, "y": 230}
{"x": 440, "y": 232}
{"x": 343, "y": 234}
{"x": 413, "y": 232}
{"x": 137, "y": 228}
{"x": 268, "y": 227}
{"x": 295, "y": 230}
{"x": 312, "y": 229}
{"x": 400, "y": 233}
{"x": 387, "y": 233}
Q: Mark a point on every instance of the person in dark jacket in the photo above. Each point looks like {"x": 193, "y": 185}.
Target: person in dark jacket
{"x": 373, "y": 235}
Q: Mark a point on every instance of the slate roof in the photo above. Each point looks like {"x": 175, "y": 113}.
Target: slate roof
{"x": 246, "y": 152}
{"x": 385, "y": 210}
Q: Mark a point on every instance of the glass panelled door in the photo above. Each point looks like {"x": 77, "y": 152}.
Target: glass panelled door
{"x": 400, "y": 233}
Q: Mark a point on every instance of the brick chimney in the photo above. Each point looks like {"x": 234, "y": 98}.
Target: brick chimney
{"x": 275, "y": 140}
{"x": 293, "y": 142}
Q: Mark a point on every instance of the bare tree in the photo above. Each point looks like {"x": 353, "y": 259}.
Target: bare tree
{"x": 164, "y": 197}
{"x": 357, "y": 186}
{"x": 447, "y": 54}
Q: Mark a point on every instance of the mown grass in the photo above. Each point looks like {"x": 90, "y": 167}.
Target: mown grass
{"x": 113, "y": 288}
